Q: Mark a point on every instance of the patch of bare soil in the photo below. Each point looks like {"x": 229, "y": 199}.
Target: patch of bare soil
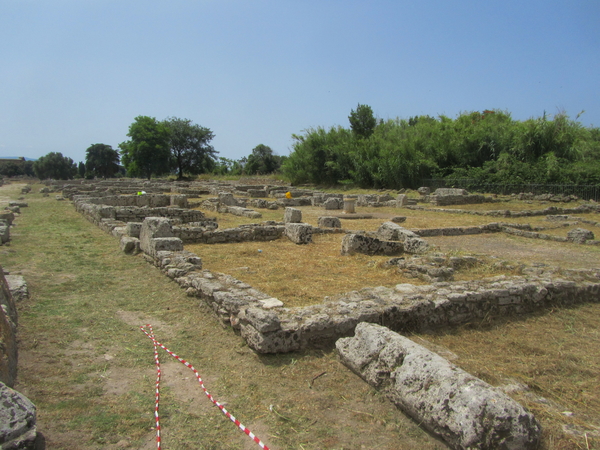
{"x": 519, "y": 249}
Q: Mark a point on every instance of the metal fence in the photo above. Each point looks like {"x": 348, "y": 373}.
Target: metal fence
{"x": 585, "y": 192}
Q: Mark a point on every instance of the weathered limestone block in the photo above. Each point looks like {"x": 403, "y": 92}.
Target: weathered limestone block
{"x": 257, "y": 193}
{"x": 424, "y": 190}
{"x": 333, "y": 203}
{"x": 292, "y": 215}
{"x": 4, "y": 232}
{"x": 358, "y": 243}
{"x": 17, "y": 420}
{"x": 580, "y": 235}
{"x": 157, "y": 235}
{"x": 8, "y": 349}
{"x": 244, "y": 212}
{"x": 401, "y": 200}
{"x": 299, "y": 233}
{"x": 7, "y": 216}
{"x": 393, "y": 232}
{"x": 169, "y": 244}
{"x": 460, "y": 408}
{"x": 130, "y": 245}
{"x": 179, "y": 201}
{"x": 227, "y": 198}
{"x": 133, "y": 229}
{"x": 17, "y": 287}
{"x": 329, "y": 222}
{"x": 450, "y": 191}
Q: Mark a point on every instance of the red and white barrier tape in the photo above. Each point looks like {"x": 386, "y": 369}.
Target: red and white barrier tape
{"x": 157, "y": 344}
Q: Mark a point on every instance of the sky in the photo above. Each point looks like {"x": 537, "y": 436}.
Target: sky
{"x": 78, "y": 72}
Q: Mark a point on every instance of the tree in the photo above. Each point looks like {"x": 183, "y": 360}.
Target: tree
{"x": 101, "y": 161}
{"x": 81, "y": 169}
{"x": 189, "y": 146}
{"x": 362, "y": 121}
{"x": 55, "y": 165}
{"x": 262, "y": 161}
{"x": 147, "y": 153}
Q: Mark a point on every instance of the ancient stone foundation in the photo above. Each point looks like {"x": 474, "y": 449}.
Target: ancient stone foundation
{"x": 461, "y": 409}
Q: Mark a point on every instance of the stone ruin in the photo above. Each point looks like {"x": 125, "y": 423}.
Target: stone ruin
{"x": 379, "y": 355}
{"x": 472, "y": 415}
{"x": 17, "y": 413}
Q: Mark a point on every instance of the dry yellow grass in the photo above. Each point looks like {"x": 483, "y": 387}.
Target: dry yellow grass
{"x": 298, "y": 275}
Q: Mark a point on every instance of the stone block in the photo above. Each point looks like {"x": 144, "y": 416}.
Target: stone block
{"x": 292, "y": 215}
{"x": 170, "y": 244}
{"x": 133, "y": 229}
{"x": 329, "y": 222}
{"x": 179, "y": 201}
{"x": 17, "y": 287}
{"x": 580, "y": 235}
{"x": 299, "y": 233}
{"x": 358, "y": 243}
{"x": 8, "y": 320}
{"x": 4, "y": 233}
{"x": 391, "y": 231}
{"x": 463, "y": 410}
{"x": 17, "y": 420}
{"x": 130, "y": 245}
{"x": 7, "y": 216}
{"x": 401, "y": 200}
{"x": 333, "y": 203}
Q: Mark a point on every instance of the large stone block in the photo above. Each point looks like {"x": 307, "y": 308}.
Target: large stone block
{"x": 4, "y": 232}
{"x": 358, "y": 243}
{"x": 17, "y": 287}
{"x": 157, "y": 235}
{"x": 7, "y": 216}
{"x": 333, "y": 203}
{"x": 329, "y": 222}
{"x": 299, "y": 233}
{"x": 292, "y": 215}
{"x": 463, "y": 410}
{"x": 580, "y": 235}
{"x": 8, "y": 320}
{"x": 17, "y": 420}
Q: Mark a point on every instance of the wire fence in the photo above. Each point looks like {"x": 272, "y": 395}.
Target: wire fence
{"x": 585, "y": 192}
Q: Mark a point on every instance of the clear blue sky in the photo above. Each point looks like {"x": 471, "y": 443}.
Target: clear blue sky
{"x": 77, "y": 72}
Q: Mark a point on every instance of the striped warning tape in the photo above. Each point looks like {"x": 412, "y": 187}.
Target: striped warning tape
{"x": 157, "y": 344}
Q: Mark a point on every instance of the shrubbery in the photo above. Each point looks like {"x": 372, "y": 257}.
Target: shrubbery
{"x": 488, "y": 146}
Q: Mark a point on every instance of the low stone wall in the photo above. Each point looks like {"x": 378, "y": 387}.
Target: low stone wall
{"x": 551, "y": 210}
{"x": 267, "y": 231}
{"x": 95, "y": 211}
{"x": 269, "y": 327}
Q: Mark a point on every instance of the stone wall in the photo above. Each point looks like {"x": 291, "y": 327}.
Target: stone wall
{"x": 8, "y": 334}
{"x": 269, "y": 327}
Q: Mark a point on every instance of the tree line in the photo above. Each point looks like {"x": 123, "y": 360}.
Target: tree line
{"x": 488, "y": 146}
{"x": 172, "y": 146}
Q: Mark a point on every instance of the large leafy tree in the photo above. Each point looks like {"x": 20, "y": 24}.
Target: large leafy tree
{"x": 147, "y": 153}
{"x": 362, "y": 121}
{"x": 101, "y": 160}
{"x": 55, "y": 165}
{"x": 189, "y": 146}
{"x": 262, "y": 161}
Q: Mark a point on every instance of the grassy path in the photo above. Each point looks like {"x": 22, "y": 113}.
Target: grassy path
{"x": 89, "y": 369}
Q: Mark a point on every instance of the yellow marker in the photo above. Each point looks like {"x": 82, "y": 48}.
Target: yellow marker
{"x": 288, "y": 194}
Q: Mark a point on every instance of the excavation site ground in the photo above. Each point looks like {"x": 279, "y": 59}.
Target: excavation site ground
{"x": 88, "y": 367}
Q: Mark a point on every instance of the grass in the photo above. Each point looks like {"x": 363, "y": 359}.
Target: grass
{"x": 90, "y": 370}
